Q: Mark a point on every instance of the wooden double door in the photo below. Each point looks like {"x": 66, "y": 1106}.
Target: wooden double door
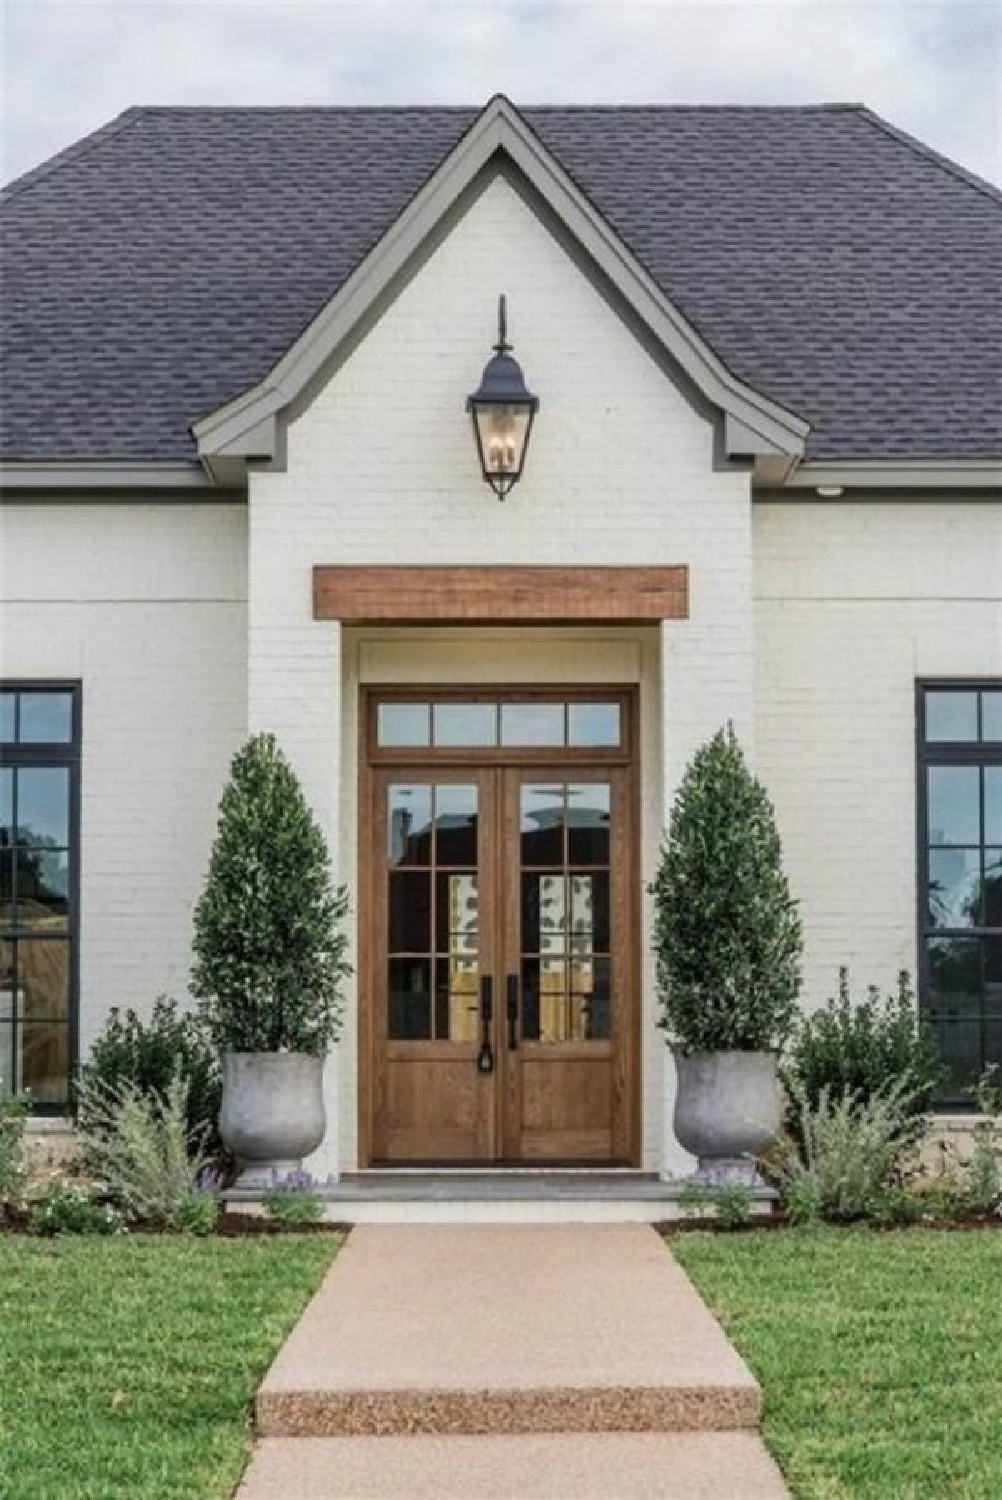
{"x": 501, "y": 968}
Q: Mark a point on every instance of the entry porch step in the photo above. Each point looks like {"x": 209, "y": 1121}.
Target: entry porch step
{"x": 528, "y": 1330}
{"x": 589, "y": 1466}
{"x": 501, "y": 1196}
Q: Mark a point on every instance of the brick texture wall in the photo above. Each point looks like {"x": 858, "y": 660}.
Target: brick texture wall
{"x": 144, "y": 603}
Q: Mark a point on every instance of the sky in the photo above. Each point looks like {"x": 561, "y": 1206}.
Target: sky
{"x": 933, "y": 67}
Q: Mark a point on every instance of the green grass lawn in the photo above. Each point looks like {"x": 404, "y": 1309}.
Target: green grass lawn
{"x": 128, "y": 1365}
{"x": 879, "y": 1354}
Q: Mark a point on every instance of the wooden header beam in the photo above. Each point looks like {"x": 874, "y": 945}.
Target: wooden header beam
{"x": 498, "y": 595}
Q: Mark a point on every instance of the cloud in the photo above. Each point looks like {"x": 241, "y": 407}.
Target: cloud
{"x": 935, "y": 68}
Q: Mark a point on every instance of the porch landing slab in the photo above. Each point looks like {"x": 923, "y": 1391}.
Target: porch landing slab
{"x": 627, "y": 1466}
{"x": 501, "y": 1196}
{"x": 515, "y": 1329}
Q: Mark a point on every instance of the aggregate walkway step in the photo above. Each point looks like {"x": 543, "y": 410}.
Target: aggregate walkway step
{"x": 558, "y": 1466}
{"x": 514, "y": 1329}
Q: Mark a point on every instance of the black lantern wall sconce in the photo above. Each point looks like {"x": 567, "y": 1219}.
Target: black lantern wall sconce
{"x": 502, "y": 411}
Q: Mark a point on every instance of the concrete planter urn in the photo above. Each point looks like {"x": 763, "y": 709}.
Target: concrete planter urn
{"x": 272, "y": 1112}
{"x": 728, "y": 1106}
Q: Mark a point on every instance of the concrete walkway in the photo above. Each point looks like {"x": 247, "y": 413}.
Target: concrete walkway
{"x": 508, "y": 1362}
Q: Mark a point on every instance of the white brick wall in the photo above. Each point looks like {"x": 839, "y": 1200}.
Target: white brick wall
{"x": 382, "y": 468}
{"x": 146, "y": 604}
{"x": 853, "y": 602}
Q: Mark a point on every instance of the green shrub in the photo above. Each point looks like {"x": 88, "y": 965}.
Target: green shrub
{"x": 733, "y": 1202}
{"x": 70, "y": 1208}
{"x": 269, "y": 946}
{"x": 196, "y": 1214}
{"x": 291, "y": 1205}
{"x": 894, "y": 1205}
{"x": 850, "y": 1150}
{"x": 13, "y": 1115}
{"x": 148, "y": 1055}
{"x": 802, "y": 1199}
{"x": 727, "y": 933}
{"x": 141, "y": 1147}
{"x": 862, "y": 1047}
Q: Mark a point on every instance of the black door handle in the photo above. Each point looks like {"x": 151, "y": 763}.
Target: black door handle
{"x": 512, "y": 1012}
{"x": 485, "y": 1057}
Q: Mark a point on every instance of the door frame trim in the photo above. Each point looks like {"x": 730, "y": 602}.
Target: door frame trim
{"x": 372, "y": 759}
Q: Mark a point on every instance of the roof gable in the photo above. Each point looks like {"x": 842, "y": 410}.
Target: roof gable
{"x": 247, "y": 426}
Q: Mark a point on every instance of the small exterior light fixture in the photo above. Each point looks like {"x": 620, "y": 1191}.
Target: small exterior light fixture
{"x": 502, "y": 412}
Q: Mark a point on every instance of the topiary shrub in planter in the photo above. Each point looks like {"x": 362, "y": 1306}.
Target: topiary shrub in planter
{"x": 269, "y": 959}
{"x": 727, "y": 941}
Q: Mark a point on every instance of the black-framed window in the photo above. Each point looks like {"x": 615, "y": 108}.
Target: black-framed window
{"x": 39, "y": 888}
{"x": 960, "y": 875}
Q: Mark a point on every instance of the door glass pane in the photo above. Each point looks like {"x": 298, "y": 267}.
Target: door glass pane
{"x": 455, "y": 825}
{"x": 594, "y": 724}
{"x": 529, "y": 724}
{"x": 991, "y": 715}
{"x": 409, "y": 994}
{"x": 543, "y": 914}
{"x": 544, "y": 1000}
{"x": 954, "y": 887}
{"x": 588, "y": 809}
{"x": 465, "y": 723}
{"x": 951, "y": 715}
{"x": 993, "y": 804}
{"x": 46, "y": 719}
{"x": 456, "y": 927}
{"x": 542, "y": 823}
{"x": 954, "y": 977}
{"x": 410, "y": 912}
{"x": 409, "y": 825}
{"x": 590, "y": 912}
{"x": 590, "y": 1000}
{"x": 457, "y": 1001}
{"x": 403, "y": 724}
{"x": 43, "y": 806}
{"x": 954, "y": 813}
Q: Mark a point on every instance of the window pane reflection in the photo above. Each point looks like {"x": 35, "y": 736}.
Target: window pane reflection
{"x": 954, "y": 887}
{"x": 43, "y": 806}
{"x": 542, "y": 825}
{"x": 588, "y": 811}
{"x": 456, "y": 824}
{"x": 46, "y": 719}
{"x": 532, "y": 724}
{"x": 951, "y": 716}
{"x": 954, "y": 813}
{"x": 594, "y": 724}
{"x": 465, "y": 724}
{"x": 409, "y": 825}
{"x": 402, "y": 725}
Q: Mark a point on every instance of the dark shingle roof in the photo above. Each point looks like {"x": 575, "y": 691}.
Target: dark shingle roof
{"x": 161, "y": 266}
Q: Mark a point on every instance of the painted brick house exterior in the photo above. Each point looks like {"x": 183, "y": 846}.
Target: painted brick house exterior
{"x": 766, "y": 346}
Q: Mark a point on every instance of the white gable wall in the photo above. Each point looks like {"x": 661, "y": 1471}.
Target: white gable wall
{"x": 381, "y": 468}
{"x": 145, "y": 603}
{"x": 853, "y": 602}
